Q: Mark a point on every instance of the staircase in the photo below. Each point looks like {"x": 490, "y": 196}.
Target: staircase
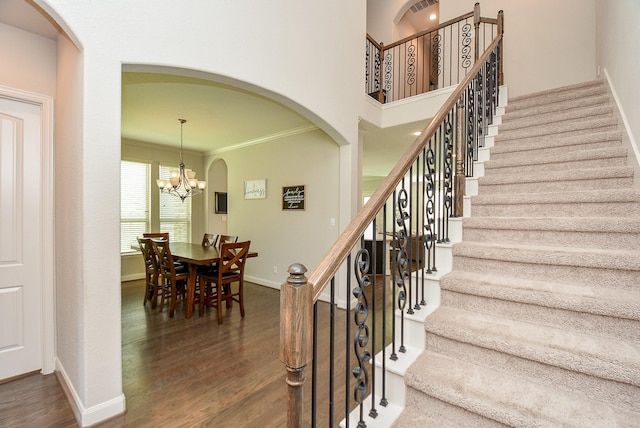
{"x": 539, "y": 324}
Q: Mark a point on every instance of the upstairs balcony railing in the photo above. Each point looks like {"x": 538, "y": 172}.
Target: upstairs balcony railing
{"x": 432, "y": 59}
{"x": 345, "y": 351}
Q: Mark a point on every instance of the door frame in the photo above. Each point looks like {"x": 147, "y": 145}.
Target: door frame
{"x": 47, "y": 222}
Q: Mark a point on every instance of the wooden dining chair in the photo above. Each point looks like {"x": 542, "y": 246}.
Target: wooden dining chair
{"x": 218, "y": 287}
{"x": 152, "y": 271}
{"x": 165, "y": 237}
{"x": 210, "y": 240}
{"x": 157, "y": 235}
{"x": 226, "y": 238}
{"x": 173, "y": 278}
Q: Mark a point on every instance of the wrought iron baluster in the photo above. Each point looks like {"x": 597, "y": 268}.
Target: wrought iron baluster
{"x": 402, "y": 258}
{"x": 383, "y": 396}
{"x": 361, "y": 339}
{"x": 447, "y": 175}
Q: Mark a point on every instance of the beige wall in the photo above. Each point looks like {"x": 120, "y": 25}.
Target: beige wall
{"x": 285, "y": 237}
{"x": 548, "y": 43}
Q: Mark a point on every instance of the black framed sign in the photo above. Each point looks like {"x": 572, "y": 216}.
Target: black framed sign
{"x": 293, "y": 197}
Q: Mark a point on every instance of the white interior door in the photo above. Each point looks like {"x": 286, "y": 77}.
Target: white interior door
{"x": 20, "y": 249}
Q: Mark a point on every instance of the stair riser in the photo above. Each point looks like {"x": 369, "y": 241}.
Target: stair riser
{"x": 584, "y": 209}
{"x": 509, "y": 151}
{"x": 602, "y": 277}
{"x": 559, "y": 166}
{"x": 623, "y": 329}
{"x": 556, "y": 186}
{"x": 591, "y": 239}
{"x": 620, "y": 394}
{"x": 554, "y": 117}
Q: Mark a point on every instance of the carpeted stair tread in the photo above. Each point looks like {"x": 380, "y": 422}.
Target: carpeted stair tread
{"x": 581, "y": 352}
{"x": 558, "y": 224}
{"x": 574, "y": 297}
{"x": 425, "y": 411}
{"x": 528, "y": 163}
{"x": 589, "y": 232}
{"x": 590, "y": 124}
{"x": 569, "y": 92}
{"x": 552, "y": 176}
{"x": 555, "y": 117}
{"x": 601, "y": 196}
{"x": 548, "y": 255}
{"x": 527, "y": 111}
{"x": 507, "y": 399}
{"x": 547, "y": 143}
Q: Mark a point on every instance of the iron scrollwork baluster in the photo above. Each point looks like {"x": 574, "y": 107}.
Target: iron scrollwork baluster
{"x": 465, "y": 54}
{"x": 471, "y": 130}
{"x": 430, "y": 202}
{"x": 361, "y": 338}
{"x": 411, "y": 65}
{"x": 402, "y": 262}
{"x": 388, "y": 73}
{"x": 448, "y": 174}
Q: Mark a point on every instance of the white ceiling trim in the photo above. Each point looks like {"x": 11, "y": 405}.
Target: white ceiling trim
{"x": 266, "y": 138}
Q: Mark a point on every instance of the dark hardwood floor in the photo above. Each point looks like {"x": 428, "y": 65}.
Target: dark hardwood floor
{"x": 186, "y": 373}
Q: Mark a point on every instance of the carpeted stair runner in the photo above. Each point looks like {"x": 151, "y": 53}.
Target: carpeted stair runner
{"x": 539, "y": 324}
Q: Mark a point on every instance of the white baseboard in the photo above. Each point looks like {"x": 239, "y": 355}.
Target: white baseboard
{"x": 630, "y": 140}
{"x": 94, "y": 414}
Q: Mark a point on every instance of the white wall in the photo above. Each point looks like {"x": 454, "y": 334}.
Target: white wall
{"x": 28, "y": 61}
{"x": 266, "y": 45}
{"x": 619, "y": 61}
{"x": 548, "y": 43}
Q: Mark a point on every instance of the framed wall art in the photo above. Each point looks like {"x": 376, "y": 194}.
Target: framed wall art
{"x": 293, "y": 197}
{"x": 255, "y": 189}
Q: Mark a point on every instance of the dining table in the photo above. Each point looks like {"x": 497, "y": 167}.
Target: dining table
{"x": 195, "y": 255}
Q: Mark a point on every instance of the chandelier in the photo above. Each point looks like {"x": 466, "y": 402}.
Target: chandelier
{"x": 182, "y": 182}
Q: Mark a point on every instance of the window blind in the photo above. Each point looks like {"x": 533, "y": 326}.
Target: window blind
{"x": 134, "y": 203}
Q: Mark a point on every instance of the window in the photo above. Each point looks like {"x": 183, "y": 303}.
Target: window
{"x": 175, "y": 215}
{"x": 134, "y": 203}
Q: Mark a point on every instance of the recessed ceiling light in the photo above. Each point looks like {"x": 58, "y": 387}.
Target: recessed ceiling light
{"x": 433, "y": 16}
{"x": 417, "y": 133}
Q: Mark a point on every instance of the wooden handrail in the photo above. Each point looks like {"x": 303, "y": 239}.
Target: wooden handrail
{"x": 430, "y": 30}
{"x": 334, "y": 257}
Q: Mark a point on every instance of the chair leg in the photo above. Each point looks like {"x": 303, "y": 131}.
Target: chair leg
{"x": 241, "y": 296}
{"x": 154, "y": 302}
{"x": 174, "y": 298}
{"x": 219, "y": 294}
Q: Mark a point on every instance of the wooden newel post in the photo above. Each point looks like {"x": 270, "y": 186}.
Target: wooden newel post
{"x": 296, "y": 348}
{"x": 460, "y": 158}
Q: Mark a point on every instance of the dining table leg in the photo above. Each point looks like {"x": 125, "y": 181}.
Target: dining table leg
{"x": 191, "y": 289}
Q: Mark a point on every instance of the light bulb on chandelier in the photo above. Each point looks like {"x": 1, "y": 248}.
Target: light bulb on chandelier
{"x": 182, "y": 182}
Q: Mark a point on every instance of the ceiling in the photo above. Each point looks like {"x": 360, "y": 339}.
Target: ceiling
{"x": 219, "y": 117}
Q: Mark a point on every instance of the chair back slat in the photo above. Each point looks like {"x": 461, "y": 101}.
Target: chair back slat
{"x": 210, "y": 240}
{"x": 226, "y": 238}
